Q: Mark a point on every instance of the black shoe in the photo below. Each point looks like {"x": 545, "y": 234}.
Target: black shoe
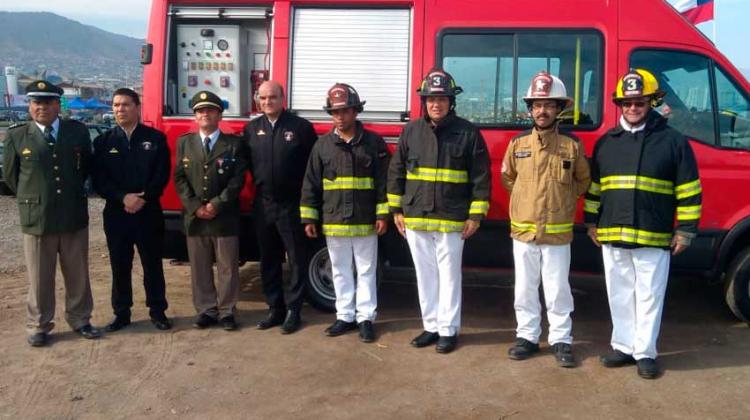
{"x": 564, "y": 355}
{"x": 39, "y": 339}
{"x": 88, "y": 332}
{"x": 292, "y": 322}
{"x": 446, "y": 344}
{"x": 425, "y": 339}
{"x": 366, "y": 332}
{"x": 117, "y": 323}
{"x": 228, "y": 323}
{"x": 340, "y": 327}
{"x": 616, "y": 358}
{"x": 204, "y": 321}
{"x": 523, "y": 349}
{"x": 274, "y": 318}
{"x": 161, "y": 322}
{"x": 648, "y": 368}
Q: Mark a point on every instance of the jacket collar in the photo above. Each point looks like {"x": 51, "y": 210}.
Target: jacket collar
{"x": 546, "y": 137}
{"x": 357, "y": 134}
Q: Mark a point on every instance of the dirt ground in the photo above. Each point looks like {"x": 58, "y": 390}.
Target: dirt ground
{"x": 142, "y": 373}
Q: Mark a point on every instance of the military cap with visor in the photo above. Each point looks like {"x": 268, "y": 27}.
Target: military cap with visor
{"x": 341, "y": 96}
{"x": 206, "y": 99}
{"x": 42, "y": 90}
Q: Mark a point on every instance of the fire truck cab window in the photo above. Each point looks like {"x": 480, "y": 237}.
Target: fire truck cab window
{"x": 495, "y": 68}
{"x": 734, "y": 113}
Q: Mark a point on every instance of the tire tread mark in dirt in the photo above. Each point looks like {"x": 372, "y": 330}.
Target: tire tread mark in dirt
{"x": 35, "y": 388}
{"x": 81, "y": 386}
{"x": 153, "y": 367}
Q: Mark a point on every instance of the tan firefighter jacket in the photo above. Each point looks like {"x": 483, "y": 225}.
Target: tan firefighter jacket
{"x": 545, "y": 172}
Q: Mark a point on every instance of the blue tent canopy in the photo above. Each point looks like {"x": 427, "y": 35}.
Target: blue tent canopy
{"x": 93, "y": 103}
{"x": 77, "y": 103}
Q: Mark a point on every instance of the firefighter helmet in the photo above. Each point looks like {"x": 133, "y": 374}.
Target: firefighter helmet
{"x": 639, "y": 83}
{"x": 438, "y": 83}
{"x": 547, "y": 86}
{"x": 342, "y": 96}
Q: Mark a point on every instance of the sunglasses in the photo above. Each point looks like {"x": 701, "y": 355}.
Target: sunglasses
{"x": 637, "y": 104}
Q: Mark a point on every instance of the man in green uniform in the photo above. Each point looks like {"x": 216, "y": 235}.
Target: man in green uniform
{"x": 46, "y": 163}
{"x": 209, "y": 174}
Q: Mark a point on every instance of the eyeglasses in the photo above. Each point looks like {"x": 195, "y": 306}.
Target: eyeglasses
{"x": 548, "y": 106}
{"x": 637, "y": 104}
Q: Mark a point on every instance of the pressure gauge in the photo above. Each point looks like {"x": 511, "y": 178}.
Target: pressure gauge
{"x": 222, "y": 44}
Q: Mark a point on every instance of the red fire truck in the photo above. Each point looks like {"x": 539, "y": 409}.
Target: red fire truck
{"x": 492, "y": 48}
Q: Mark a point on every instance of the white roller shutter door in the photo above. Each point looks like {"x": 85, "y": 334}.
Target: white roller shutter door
{"x": 366, "y": 48}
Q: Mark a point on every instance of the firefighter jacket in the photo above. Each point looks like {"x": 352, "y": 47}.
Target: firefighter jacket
{"x": 440, "y": 176}
{"x": 278, "y": 155}
{"x": 216, "y": 179}
{"x": 639, "y": 181}
{"x": 347, "y": 181}
{"x": 48, "y": 178}
{"x": 545, "y": 171}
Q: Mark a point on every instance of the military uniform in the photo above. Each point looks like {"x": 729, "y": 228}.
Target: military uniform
{"x": 215, "y": 176}
{"x": 278, "y": 158}
{"x": 47, "y": 172}
{"x": 134, "y": 164}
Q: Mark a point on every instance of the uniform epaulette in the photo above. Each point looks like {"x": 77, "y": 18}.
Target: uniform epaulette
{"x": 17, "y": 125}
{"x": 521, "y": 134}
{"x": 189, "y": 133}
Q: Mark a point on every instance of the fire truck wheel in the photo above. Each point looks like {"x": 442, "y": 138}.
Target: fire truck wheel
{"x": 320, "y": 293}
{"x": 737, "y": 285}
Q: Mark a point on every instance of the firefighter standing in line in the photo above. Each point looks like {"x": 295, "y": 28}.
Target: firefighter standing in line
{"x": 438, "y": 191}
{"x": 279, "y": 146}
{"x": 346, "y": 179}
{"x": 643, "y": 173}
{"x": 545, "y": 171}
{"x": 45, "y": 163}
{"x": 131, "y": 170}
{"x": 209, "y": 174}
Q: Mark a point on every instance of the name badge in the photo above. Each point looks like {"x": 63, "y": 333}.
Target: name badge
{"x": 522, "y": 154}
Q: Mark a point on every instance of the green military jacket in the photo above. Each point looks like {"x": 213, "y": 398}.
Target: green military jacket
{"x": 49, "y": 180}
{"x": 217, "y": 179}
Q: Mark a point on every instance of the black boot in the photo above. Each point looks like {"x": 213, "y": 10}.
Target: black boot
{"x": 292, "y": 322}
{"x": 523, "y": 349}
{"x": 275, "y": 317}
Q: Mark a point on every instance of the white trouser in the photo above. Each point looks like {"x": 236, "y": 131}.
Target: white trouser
{"x": 437, "y": 261}
{"x": 350, "y": 295}
{"x": 636, "y": 285}
{"x": 549, "y": 264}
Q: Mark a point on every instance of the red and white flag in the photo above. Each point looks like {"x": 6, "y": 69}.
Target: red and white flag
{"x": 696, "y": 11}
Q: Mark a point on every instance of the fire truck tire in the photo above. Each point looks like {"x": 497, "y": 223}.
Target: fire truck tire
{"x": 737, "y": 285}
{"x": 320, "y": 293}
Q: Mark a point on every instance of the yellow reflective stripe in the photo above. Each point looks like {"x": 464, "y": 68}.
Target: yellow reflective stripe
{"x": 308, "y": 212}
{"x": 634, "y": 236}
{"x": 381, "y": 208}
{"x": 348, "y": 230}
{"x": 688, "y": 190}
{"x": 591, "y": 206}
{"x": 550, "y": 228}
{"x": 479, "y": 207}
{"x": 558, "y": 228}
{"x": 438, "y": 175}
{"x": 523, "y": 227}
{"x": 348, "y": 183}
{"x": 689, "y": 212}
{"x": 438, "y": 225}
{"x": 394, "y": 200}
{"x": 595, "y": 189}
{"x": 643, "y": 183}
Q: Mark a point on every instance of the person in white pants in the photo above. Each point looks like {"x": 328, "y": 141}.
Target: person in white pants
{"x": 545, "y": 171}
{"x": 438, "y": 191}
{"x": 644, "y": 174}
{"x": 345, "y": 178}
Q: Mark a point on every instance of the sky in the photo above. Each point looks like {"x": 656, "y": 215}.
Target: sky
{"x": 732, "y": 29}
